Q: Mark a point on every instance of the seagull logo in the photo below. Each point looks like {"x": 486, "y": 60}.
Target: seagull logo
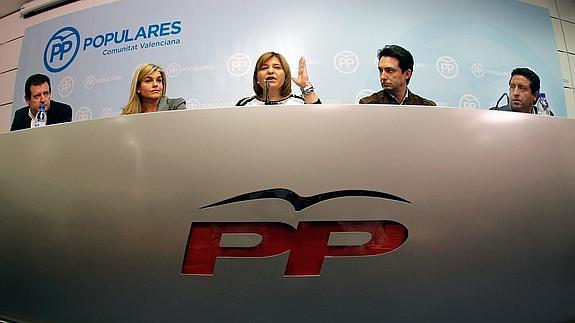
{"x": 301, "y": 202}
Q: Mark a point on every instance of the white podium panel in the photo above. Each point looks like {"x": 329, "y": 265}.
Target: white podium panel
{"x": 326, "y": 213}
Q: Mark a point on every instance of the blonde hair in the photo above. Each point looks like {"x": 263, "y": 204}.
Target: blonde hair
{"x": 134, "y": 104}
{"x": 285, "y": 89}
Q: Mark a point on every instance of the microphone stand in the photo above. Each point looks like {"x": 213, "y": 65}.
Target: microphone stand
{"x": 501, "y": 98}
{"x": 267, "y": 97}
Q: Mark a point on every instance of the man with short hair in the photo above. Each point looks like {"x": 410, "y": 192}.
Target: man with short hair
{"x": 524, "y": 88}
{"x": 395, "y": 70}
{"x": 37, "y": 91}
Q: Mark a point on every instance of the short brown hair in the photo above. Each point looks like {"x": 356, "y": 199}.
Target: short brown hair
{"x": 285, "y": 90}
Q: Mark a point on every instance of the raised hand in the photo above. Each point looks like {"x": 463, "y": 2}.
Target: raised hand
{"x": 302, "y": 79}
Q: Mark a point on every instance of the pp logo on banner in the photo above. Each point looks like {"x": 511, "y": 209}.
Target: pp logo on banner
{"x": 61, "y": 49}
{"x": 84, "y": 113}
{"x": 447, "y": 67}
{"x": 107, "y": 113}
{"x": 478, "y": 70}
{"x": 66, "y": 86}
{"x": 173, "y": 70}
{"x": 90, "y": 82}
{"x": 469, "y": 101}
{"x": 346, "y": 62}
{"x": 192, "y": 103}
{"x": 239, "y": 64}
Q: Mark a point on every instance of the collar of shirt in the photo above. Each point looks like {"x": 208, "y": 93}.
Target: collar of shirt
{"x": 391, "y": 96}
{"x": 32, "y": 118}
{"x": 291, "y": 99}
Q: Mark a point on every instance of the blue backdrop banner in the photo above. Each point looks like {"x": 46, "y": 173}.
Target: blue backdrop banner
{"x": 464, "y": 50}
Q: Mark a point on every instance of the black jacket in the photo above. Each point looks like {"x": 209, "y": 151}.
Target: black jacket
{"x": 58, "y": 113}
{"x": 506, "y": 108}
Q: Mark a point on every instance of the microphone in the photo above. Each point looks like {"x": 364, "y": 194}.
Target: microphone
{"x": 267, "y": 92}
{"x": 504, "y": 95}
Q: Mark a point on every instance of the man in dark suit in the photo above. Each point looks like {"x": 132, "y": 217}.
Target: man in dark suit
{"x": 524, "y": 87}
{"x": 37, "y": 91}
{"x": 395, "y": 70}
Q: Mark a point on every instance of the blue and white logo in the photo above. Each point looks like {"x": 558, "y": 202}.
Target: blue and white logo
{"x": 239, "y": 64}
{"x": 193, "y": 103}
{"x": 469, "y": 101}
{"x": 66, "y": 86}
{"x": 447, "y": 67}
{"x": 90, "y": 82}
{"x": 346, "y": 62}
{"x": 84, "y": 113}
{"x": 61, "y": 49}
{"x": 173, "y": 70}
{"x": 107, "y": 113}
{"x": 478, "y": 70}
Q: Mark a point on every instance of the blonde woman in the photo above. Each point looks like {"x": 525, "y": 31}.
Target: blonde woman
{"x": 148, "y": 92}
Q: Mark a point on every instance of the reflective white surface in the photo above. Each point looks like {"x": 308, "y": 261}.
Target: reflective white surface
{"x": 95, "y": 215}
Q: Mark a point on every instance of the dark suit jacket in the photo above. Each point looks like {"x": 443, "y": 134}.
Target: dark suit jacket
{"x": 382, "y": 97}
{"x": 506, "y": 108}
{"x": 58, "y": 113}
